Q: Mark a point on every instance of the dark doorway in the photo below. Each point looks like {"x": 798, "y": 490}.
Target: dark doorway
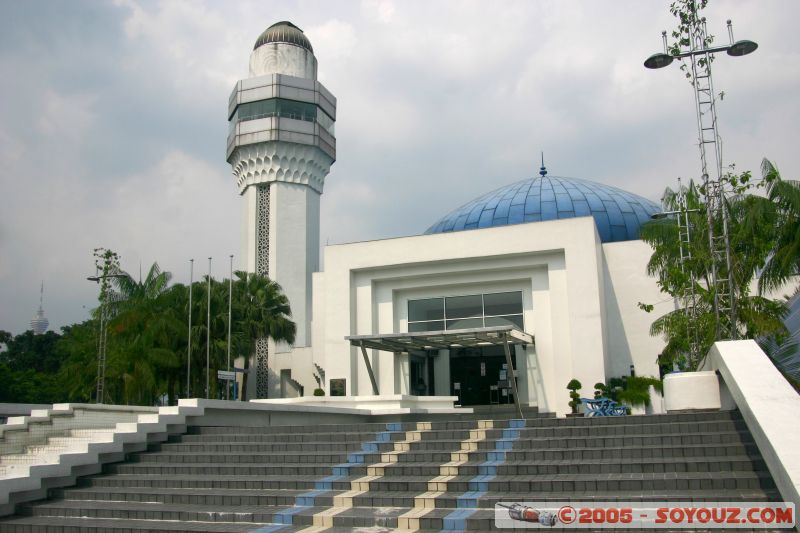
{"x": 474, "y": 371}
{"x": 421, "y": 373}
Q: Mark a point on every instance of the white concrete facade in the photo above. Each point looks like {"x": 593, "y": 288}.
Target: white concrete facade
{"x": 580, "y": 301}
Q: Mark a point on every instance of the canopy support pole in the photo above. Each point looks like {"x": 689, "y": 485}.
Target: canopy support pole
{"x": 369, "y": 369}
{"x": 510, "y": 375}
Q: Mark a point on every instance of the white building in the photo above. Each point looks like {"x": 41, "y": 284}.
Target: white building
{"x": 555, "y": 260}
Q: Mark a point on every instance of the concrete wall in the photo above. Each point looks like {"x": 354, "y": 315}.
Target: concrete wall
{"x": 769, "y": 405}
{"x": 627, "y": 326}
{"x": 556, "y": 264}
{"x": 283, "y": 58}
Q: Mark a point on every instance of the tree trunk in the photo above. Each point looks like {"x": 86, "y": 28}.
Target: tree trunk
{"x": 246, "y": 375}
{"x": 171, "y": 389}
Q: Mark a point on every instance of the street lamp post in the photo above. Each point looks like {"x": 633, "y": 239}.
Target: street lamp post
{"x": 103, "y": 337}
{"x": 701, "y": 57}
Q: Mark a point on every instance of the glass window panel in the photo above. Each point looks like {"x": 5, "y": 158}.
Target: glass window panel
{"x": 502, "y": 303}
{"x": 486, "y": 218}
{"x": 549, "y": 211}
{"x": 619, "y": 233}
{"x": 502, "y": 208}
{"x": 601, "y": 193}
{"x": 632, "y": 224}
{"x": 465, "y": 323}
{"x": 509, "y": 194}
{"x": 603, "y": 227}
{"x": 460, "y": 221}
{"x": 326, "y": 122}
{"x": 623, "y": 203}
{"x": 582, "y": 208}
{"x": 533, "y": 204}
{"x": 516, "y": 214}
{"x": 427, "y": 309}
{"x": 594, "y": 202}
{"x": 491, "y": 203}
{"x": 614, "y": 214}
{"x": 474, "y": 214}
{"x": 564, "y": 202}
{"x": 509, "y": 320}
{"x": 463, "y": 306}
{"x": 432, "y": 325}
{"x": 519, "y": 198}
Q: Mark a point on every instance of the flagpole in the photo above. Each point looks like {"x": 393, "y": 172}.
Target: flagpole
{"x": 189, "y": 348}
{"x": 208, "y": 333}
{"x": 230, "y": 304}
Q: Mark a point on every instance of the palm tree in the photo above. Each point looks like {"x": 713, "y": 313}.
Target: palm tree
{"x": 691, "y": 330}
{"x": 261, "y": 310}
{"x": 144, "y": 325}
{"x": 779, "y": 212}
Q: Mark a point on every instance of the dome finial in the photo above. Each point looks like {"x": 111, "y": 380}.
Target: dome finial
{"x": 543, "y": 170}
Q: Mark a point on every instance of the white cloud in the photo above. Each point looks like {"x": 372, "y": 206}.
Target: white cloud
{"x": 112, "y": 130}
{"x": 380, "y": 10}
{"x": 66, "y": 117}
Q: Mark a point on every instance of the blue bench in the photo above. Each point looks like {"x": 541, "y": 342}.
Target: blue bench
{"x": 602, "y": 407}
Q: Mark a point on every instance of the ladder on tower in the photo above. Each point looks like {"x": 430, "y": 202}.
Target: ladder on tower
{"x": 101, "y": 354}
{"x": 689, "y": 295}
{"x": 713, "y": 186}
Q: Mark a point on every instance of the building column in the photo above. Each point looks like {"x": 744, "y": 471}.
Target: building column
{"x": 441, "y": 373}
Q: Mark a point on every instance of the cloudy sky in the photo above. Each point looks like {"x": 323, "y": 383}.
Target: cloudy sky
{"x": 113, "y": 119}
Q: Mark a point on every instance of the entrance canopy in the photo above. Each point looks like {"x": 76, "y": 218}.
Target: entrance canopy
{"x": 436, "y": 340}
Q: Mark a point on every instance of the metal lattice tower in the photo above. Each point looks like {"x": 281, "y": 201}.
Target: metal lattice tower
{"x": 701, "y": 55}
{"x": 101, "y": 355}
{"x": 713, "y": 186}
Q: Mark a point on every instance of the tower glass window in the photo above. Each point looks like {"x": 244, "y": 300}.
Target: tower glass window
{"x": 281, "y": 107}
{"x": 465, "y": 312}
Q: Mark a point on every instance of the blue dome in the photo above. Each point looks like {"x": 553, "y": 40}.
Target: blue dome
{"x": 618, "y": 214}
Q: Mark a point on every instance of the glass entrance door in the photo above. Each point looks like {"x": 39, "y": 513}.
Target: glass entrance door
{"x": 473, "y": 371}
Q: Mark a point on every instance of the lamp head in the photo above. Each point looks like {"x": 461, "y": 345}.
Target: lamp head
{"x": 659, "y": 60}
{"x": 742, "y": 48}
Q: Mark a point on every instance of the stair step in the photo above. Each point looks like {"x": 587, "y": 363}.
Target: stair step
{"x": 260, "y": 478}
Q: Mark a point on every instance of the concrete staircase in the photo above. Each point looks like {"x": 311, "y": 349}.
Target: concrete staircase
{"x": 407, "y": 475}
{"x": 54, "y": 447}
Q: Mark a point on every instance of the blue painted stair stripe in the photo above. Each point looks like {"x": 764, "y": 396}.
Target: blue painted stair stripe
{"x": 307, "y": 499}
{"x": 467, "y": 503}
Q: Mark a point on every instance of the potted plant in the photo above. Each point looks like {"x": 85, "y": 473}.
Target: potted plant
{"x": 637, "y": 390}
{"x": 575, "y": 399}
{"x": 319, "y": 392}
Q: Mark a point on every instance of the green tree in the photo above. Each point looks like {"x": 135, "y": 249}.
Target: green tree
{"x": 779, "y": 215}
{"x": 142, "y": 355}
{"x": 30, "y": 365}
{"x": 260, "y": 310}
{"x": 691, "y": 330}
{"x": 78, "y": 374}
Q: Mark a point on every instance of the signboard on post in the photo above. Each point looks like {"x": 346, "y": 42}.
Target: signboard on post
{"x": 225, "y": 375}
